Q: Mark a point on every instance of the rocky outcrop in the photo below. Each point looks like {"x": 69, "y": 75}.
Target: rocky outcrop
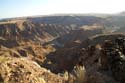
{"x": 105, "y": 59}
{"x": 114, "y": 58}
{"x": 102, "y": 57}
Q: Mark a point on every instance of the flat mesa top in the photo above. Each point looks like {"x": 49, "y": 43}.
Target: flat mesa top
{"x": 11, "y": 22}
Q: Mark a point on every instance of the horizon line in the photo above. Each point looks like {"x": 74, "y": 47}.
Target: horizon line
{"x": 56, "y": 14}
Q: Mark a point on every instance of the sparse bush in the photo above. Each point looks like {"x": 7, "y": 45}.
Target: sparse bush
{"x": 78, "y": 75}
{"x": 39, "y": 80}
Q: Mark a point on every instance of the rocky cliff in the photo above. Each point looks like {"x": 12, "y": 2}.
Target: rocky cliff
{"x": 60, "y": 49}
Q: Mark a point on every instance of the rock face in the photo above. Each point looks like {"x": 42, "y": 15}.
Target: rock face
{"x": 79, "y": 35}
{"x": 115, "y": 56}
{"x": 30, "y": 31}
{"x": 103, "y": 60}
{"x": 40, "y": 50}
{"x": 107, "y": 58}
{"x": 46, "y": 29}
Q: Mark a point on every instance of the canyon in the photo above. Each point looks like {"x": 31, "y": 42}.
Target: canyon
{"x": 62, "y": 49}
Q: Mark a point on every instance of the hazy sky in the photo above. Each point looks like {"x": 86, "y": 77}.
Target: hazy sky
{"x": 16, "y": 8}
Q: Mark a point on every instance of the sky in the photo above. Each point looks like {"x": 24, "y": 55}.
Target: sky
{"x": 19, "y": 8}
